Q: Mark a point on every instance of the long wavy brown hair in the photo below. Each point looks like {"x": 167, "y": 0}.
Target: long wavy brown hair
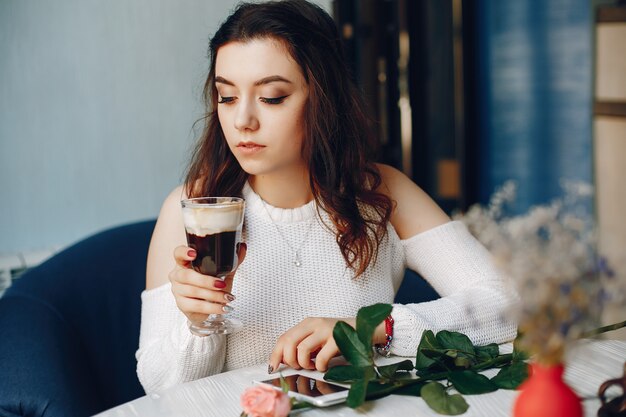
{"x": 338, "y": 135}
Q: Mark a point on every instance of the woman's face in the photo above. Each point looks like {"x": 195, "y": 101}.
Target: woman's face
{"x": 261, "y": 99}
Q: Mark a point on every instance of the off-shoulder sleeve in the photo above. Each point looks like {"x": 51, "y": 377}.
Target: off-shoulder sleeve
{"x": 475, "y": 296}
{"x": 168, "y": 353}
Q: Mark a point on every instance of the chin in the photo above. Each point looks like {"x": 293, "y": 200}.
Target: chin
{"x": 252, "y": 168}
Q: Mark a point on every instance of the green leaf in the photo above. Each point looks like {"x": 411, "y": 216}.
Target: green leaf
{"x": 470, "y": 382}
{"x": 511, "y": 376}
{"x": 432, "y": 374}
{"x": 351, "y": 347}
{"x": 428, "y": 342}
{"x": 487, "y": 352}
{"x": 349, "y": 373}
{"x": 463, "y": 362}
{"x": 284, "y": 386}
{"x": 412, "y": 389}
{"x": 455, "y": 340}
{"x": 368, "y": 318}
{"x": 440, "y": 401}
{"x": 439, "y": 353}
{"x": 356, "y": 396}
{"x": 518, "y": 353}
{"x": 377, "y": 390}
{"x": 389, "y": 371}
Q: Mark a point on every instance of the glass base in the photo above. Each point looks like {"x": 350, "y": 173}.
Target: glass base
{"x": 215, "y": 324}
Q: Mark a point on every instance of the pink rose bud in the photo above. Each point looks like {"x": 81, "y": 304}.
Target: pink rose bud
{"x": 265, "y": 401}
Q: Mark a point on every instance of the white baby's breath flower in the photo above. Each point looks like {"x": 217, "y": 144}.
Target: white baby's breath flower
{"x": 550, "y": 253}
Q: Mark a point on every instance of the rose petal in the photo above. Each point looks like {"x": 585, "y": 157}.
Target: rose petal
{"x": 265, "y": 401}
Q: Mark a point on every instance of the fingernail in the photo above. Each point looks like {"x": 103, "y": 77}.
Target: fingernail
{"x": 229, "y": 297}
{"x": 219, "y": 284}
{"x": 191, "y": 253}
{"x": 227, "y": 309}
{"x": 270, "y": 369}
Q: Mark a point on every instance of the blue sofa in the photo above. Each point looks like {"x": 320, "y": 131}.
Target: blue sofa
{"x": 69, "y": 328}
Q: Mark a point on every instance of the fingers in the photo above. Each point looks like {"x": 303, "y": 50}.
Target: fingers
{"x": 191, "y": 277}
{"x": 184, "y": 255}
{"x": 201, "y": 308}
{"x": 305, "y": 350}
{"x": 188, "y": 283}
{"x": 242, "y": 249}
{"x": 276, "y": 357}
{"x": 198, "y": 293}
{"x": 285, "y": 352}
{"x": 324, "y": 356}
{"x": 299, "y": 345}
{"x": 285, "y": 349}
{"x": 241, "y": 254}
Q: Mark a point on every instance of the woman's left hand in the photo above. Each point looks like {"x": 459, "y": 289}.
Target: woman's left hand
{"x": 311, "y": 338}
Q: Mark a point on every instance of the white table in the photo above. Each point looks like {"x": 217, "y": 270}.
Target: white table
{"x": 588, "y": 365}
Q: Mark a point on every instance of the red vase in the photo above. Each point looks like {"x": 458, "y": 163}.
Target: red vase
{"x": 545, "y": 394}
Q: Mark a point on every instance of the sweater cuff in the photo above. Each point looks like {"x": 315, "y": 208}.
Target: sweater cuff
{"x": 160, "y": 314}
{"x": 406, "y": 330}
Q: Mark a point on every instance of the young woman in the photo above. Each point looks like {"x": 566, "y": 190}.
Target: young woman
{"x": 327, "y": 230}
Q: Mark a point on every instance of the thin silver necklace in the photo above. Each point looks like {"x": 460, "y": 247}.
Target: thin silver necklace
{"x": 297, "y": 261}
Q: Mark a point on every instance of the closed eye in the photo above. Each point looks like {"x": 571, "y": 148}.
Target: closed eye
{"x": 273, "y": 100}
{"x": 226, "y": 100}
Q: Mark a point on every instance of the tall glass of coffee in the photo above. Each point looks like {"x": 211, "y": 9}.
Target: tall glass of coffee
{"x": 213, "y": 226}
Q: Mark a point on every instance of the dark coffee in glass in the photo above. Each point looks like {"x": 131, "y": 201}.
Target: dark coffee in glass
{"x": 213, "y": 227}
{"x": 217, "y": 255}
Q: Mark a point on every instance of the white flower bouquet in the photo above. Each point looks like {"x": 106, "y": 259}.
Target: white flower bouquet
{"x": 550, "y": 253}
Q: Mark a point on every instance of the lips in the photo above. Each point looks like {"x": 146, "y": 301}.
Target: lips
{"x": 249, "y": 145}
{"x": 248, "y": 148}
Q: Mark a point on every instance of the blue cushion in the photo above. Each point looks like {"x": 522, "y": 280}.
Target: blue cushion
{"x": 414, "y": 289}
{"x": 69, "y": 328}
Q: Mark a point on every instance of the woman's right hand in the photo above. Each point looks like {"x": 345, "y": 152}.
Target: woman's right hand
{"x": 199, "y": 295}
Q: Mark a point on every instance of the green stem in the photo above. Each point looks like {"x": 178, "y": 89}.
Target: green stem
{"x": 500, "y": 360}
{"x": 300, "y": 405}
{"x": 497, "y": 361}
{"x": 600, "y": 330}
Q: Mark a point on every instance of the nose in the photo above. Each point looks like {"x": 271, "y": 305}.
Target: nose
{"x": 246, "y": 118}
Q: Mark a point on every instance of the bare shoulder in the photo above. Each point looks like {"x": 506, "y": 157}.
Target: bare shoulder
{"x": 169, "y": 233}
{"x": 414, "y": 211}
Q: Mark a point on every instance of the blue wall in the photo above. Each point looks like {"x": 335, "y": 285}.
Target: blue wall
{"x": 97, "y": 103}
{"x": 535, "y": 88}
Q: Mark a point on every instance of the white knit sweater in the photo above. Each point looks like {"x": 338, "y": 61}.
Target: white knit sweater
{"x": 273, "y": 294}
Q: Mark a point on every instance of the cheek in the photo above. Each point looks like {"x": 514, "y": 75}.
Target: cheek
{"x": 226, "y": 125}
{"x": 292, "y": 136}
{"x": 294, "y": 127}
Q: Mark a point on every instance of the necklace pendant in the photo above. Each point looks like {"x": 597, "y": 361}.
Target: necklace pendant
{"x": 297, "y": 262}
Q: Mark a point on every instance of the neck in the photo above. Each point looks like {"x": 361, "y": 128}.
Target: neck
{"x": 283, "y": 190}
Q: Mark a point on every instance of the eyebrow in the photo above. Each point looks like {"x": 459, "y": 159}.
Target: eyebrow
{"x": 262, "y": 81}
